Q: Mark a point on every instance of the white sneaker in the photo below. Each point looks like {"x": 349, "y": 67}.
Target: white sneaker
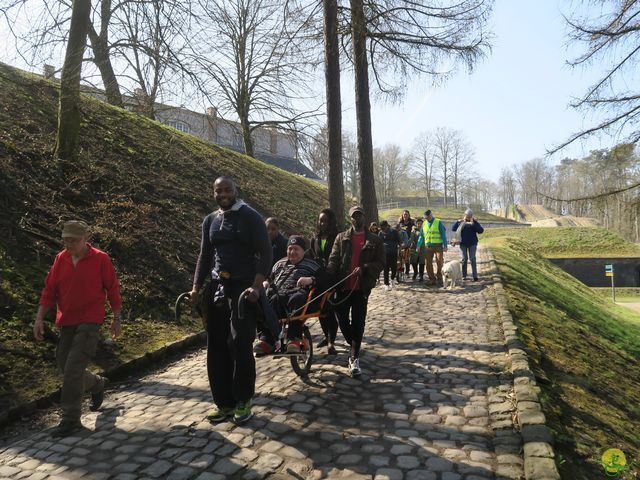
{"x": 354, "y": 367}
{"x": 393, "y": 284}
{"x": 387, "y": 288}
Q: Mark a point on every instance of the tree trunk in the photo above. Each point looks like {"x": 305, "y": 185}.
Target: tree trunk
{"x": 103, "y": 62}
{"x": 363, "y": 112}
{"x": 334, "y": 109}
{"x": 69, "y": 107}
{"x": 246, "y": 136}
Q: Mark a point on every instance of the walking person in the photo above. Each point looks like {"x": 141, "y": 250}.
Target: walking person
{"x": 391, "y": 240}
{"x": 434, "y": 237}
{"x": 277, "y": 239}
{"x": 469, "y": 230}
{"x": 417, "y": 254}
{"x": 236, "y": 252}
{"x": 406, "y": 224}
{"x": 79, "y": 281}
{"x": 320, "y": 249}
{"x": 358, "y": 253}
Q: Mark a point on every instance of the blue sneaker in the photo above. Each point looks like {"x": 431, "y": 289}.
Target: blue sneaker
{"x": 242, "y": 412}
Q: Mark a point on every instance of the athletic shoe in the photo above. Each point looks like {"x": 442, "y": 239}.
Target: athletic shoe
{"x": 66, "y": 428}
{"x": 98, "y": 398}
{"x": 387, "y": 288}
{"x": 415, "y": 275}
{"x": 262, "y": 348}
{"x": 294, "y": 346}
{"x": 393, "y": 283}
{"x": 475, "y": 279}
{"x": 354, "y": 367}
{"x": 218, "y": 414}
{"x": 323, "y": 342}
{"x": 242, "y": 412}
{"x": 331, "y": 350}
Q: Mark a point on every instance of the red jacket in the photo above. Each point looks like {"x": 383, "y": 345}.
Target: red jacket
{"x": 80, "y": 292}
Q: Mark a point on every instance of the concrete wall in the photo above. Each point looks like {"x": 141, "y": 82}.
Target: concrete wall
{"x": 590, "y": 271}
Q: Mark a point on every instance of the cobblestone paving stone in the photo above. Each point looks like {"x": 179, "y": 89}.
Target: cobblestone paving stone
{"x": 434, "y": 403}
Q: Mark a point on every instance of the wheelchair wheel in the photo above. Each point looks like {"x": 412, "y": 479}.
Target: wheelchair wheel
{"x": 302, "y": 363}
{"x": 182, "y": 307}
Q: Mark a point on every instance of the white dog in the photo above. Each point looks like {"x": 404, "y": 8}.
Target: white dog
{"x": 451, "y": 274}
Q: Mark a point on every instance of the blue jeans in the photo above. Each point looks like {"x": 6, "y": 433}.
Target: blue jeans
{"x": 469, "y": 253}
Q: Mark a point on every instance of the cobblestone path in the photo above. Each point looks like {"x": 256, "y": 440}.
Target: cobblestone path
{"x": 433, "y": 403}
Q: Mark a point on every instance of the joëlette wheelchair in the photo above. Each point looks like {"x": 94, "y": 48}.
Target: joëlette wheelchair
{"x": 300, "y": 362}
{"x": 314, "y": 306}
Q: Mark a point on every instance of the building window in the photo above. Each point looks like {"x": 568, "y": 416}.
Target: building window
{"x": 178, "y": 125}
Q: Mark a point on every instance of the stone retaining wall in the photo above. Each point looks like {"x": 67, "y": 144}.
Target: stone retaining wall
{"x": 539, "y": 457}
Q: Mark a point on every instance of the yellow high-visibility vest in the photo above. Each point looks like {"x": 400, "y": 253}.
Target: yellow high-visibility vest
{"x": 431, "y": 233}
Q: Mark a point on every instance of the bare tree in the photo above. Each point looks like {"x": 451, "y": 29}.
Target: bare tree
{"x": 402, "y": 37}
{"x": 424, "y": 162}
{"x": 462, "y": 157}
{"x": 611, "y": 38}
{"x": 254, "y": 68}
{"x": 350, "y": 165}
{"x": 69, "y": 111}
{"x": 102, "y": 52}
{"x": 508, "y": 187}
{"x": 390, "y": 167}
{"x": 150, "y": 40}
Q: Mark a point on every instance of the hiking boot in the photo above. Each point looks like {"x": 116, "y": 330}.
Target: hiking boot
{"x": 242, "y": 412}
{"x": 262, "y": 348}
{"x": 66, "y": 428}
{"x": 220, "y": 414}
{"x": 294, "y": 346}
{"x": 331, "y": 350}
{"x": 323, "y": 342}
{"x": 98, "y": 398}
{"x": 354, "y": 367}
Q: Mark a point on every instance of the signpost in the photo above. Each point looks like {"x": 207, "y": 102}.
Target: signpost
{"x": 609, "y": 272}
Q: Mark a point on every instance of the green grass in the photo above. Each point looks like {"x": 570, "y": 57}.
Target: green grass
{"x": 143, "y": 186}
{"x": 585, "y": 352}
{"x": 569, "y": 242}
{"x": 447, "y": 213}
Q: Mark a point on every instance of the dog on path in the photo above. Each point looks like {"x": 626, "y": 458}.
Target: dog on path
{"x": 451, "y": 274}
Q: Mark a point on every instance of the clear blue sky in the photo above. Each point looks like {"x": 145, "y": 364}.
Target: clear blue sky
{"x": 513, "y": 105}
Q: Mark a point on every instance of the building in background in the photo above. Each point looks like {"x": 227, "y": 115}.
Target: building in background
{"x": 271, "y": 145}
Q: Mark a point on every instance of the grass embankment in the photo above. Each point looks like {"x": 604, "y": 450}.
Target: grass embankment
{"x": 585, "y": 353}
{"x": 143, "y": 186}
{"x": 569, "y": 242}
{"x": 448, "y": 213}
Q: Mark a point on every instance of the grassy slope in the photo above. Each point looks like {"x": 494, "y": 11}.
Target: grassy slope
{"x": 586, "y": 356}
{"x": 440, "y": 212}
{"x": 143, "y": 186}
{"x": 570, "y": 242}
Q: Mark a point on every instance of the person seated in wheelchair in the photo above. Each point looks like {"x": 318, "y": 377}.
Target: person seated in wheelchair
{"x": 288, "y": 288}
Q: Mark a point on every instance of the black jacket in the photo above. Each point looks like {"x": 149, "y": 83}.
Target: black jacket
{"x": 316, "y": 252}
{"x": 372, "y": 259}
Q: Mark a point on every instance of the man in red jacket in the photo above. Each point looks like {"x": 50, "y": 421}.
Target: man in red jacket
{"x": 80, "y": 280}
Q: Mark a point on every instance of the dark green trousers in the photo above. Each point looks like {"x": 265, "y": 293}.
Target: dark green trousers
{"x": 76, "y": 348}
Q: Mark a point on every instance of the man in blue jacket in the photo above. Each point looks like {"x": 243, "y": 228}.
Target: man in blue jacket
{"x": 434, "y": 237}
{"x": 469, "y": 229}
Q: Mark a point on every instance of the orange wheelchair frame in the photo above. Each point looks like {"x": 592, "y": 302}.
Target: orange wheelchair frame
{"x": 301, "y": 362}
